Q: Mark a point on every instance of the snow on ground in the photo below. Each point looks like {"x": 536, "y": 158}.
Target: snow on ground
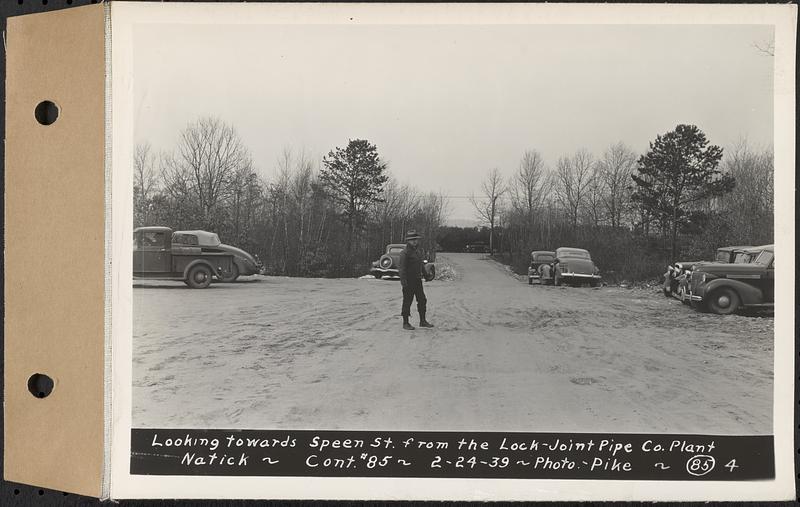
{"x": 294, "y": 353}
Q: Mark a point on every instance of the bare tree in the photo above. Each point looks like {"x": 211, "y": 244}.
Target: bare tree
{"x": 529, "y": 186}
{"x": 211, "y": 151}
{"x": 301, "y": 191}
{"x": 748, "y": 209}
{"x": 430, "y": 215}
{"x": 145, "y": 182}
{"x": 394, "y": 211}
{"x": 574, "y": 176}
{"x": 487, "y": 206}
{"x": 176, "y": 180}
{"x": 614, "y": 170}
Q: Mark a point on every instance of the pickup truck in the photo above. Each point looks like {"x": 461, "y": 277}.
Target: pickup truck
{"x": 156, "y": 255}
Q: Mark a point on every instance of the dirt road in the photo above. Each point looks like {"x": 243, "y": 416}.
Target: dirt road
{"x": 272, "y": 352}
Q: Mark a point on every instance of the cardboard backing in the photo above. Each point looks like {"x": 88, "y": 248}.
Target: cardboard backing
{"x": 54, "y": 250}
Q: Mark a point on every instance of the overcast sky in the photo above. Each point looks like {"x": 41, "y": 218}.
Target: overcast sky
{"x": 445, "y": 104}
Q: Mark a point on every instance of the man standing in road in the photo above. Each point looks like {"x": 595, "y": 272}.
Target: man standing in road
{"x": 411, "y": 272}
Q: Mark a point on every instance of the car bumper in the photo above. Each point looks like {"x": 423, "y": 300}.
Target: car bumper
{"x": 383, "y": 271}
{"x": 580, "y": 275}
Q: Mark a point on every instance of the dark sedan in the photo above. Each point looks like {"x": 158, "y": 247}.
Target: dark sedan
{"x": 725, "y": 288}
{"x": 575, "y": 265}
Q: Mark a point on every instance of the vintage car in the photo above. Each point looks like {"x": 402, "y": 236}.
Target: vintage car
{"x": 244, "y": 264}
{"x": 155, "y": 255}
{"x": 387, "y": 265}
{"x": 575, "y": 265}
{"x": 676, "y": 279}
{"x": 725, "y": 288}
{"x": 477, "y": 247}
{"x": 539, "y": 257}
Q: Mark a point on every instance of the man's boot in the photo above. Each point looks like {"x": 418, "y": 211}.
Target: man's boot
{"x": 422, "y": 321}
{"x": 406, "y": 324}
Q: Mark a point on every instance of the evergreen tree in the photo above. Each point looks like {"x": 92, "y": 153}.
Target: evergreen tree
{"x": 354, "y": 177}
{"x": 678, "y": 172}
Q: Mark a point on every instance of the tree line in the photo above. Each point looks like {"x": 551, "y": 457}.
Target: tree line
{"x": 327, "y": 218}
{"x": 635, "y": 213}
{"x": 681, "y": 199}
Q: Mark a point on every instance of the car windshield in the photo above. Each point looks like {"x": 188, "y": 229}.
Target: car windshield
{"x": 723, "y": 256}
{"x": 544, "y": 258}
{"x": 152, "y": 239}
{"x": 396, "y": 249}
{"x": 764, "y": 258}
{"x": 578, "y": 254}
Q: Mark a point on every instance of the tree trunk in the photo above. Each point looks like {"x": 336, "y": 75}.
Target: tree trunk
{"x": 674, "y": 234}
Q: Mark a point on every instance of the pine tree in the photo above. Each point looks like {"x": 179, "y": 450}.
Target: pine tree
{"x": 354, "y": 178}
{"x": 679, "y": 171}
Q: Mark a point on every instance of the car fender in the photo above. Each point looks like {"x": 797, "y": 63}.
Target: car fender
{"x": 748, "y": 294}
{"x": 196, "y": 262}
{"x": 244, "y": 266}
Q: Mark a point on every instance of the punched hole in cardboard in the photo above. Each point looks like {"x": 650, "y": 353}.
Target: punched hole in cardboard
{"x": 40, "y": 385}
{"x": 46, "y": 112}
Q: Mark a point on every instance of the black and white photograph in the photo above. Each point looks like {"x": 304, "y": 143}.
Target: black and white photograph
{"x": 456, "y": 225}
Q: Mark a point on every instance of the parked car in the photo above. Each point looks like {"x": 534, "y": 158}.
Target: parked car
{"x": 244, "y": 264}
{"x": 725, "y": 288}
{"x": 575, "y": 265}
{"x": 676, "y": 279}
{"x": 477, "y": 247}
{"x": 539, "y": 257}
{"x": 387, "y": 265}
{"x": 155, "y": 255}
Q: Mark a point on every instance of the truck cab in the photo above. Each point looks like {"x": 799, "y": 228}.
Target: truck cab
{"x": 157, "y": 255}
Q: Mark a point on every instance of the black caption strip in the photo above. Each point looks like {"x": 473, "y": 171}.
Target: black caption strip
{"x": 451, "y": 455}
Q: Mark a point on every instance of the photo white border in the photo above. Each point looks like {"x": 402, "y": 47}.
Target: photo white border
{"x": 125, "y": 486}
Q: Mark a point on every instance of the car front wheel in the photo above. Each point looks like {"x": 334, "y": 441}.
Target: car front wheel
{"x": 430, "y": 272}
{"x": 199, "y": 277}
{"x": 231, "y": 276}
{"x": 724, "y": 301}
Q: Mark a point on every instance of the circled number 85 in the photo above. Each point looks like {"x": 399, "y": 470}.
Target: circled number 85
{"x": 700, "y": 465}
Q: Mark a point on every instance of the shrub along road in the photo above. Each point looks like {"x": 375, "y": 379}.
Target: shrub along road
{"x": 273, "y": 352}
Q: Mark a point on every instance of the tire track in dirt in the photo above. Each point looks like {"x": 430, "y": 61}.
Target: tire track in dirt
{"x": 313, "y": 353}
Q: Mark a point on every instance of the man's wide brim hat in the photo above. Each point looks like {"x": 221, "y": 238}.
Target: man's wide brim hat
{"x": 412, "y": 234}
